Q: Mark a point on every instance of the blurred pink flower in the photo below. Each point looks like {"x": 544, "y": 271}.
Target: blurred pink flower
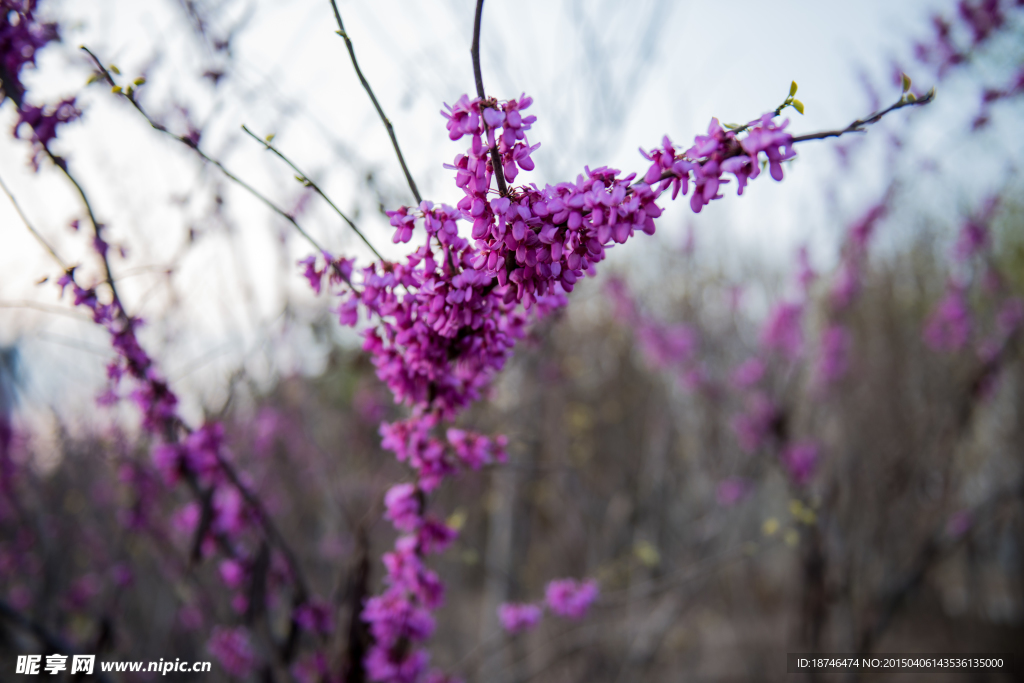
{"x": 517, "y": 618}
{"x": 733, "y": 490}
{"x": 569, "y": 598}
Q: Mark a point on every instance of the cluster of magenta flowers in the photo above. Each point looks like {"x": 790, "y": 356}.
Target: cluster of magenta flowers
{"x": 956, "y": 324}
{"x": 956, "y": 38}
{"x": 22, "y": 35}
{"x": 221, "y": 519}
{"x": 446, "y": 320}
{"x": 565, "y": 597}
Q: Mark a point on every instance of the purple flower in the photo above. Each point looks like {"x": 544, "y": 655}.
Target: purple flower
{"x": 518, "y": 618}
{"x": 805, "y": 273}
{"x": 973, "y": 238}
{"x": 435, "y": 536}
{"x": 754, "y": 426}
{"x": 667, "y": 345}
{"x": 231, "y": 647}
{"x": 949, "y": 327}
{"x": 232, "y": 573}
{"x": 833, "y": 361}
{"x": 800, "y": 460}
{"x": 392, "y": 666}
{"x": 1010, "y": 316}
{"x": 732, "y": 491}
{"x": 21, "y": 38}
{"x": 403, "y": 507}
{"x": 315, "y": 617}
{"x": 782, "y": 331}
{"x": 569, "y": 598}
{"x": 749, "y": 373}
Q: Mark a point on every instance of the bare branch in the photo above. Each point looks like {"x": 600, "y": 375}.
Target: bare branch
{"x": 192, "y": 145}
{"x": 369, "y": 91}
{"x": 316, "y": 188}
{"x": 858, "y": 125}
{"x": 499, "y": 175}
{"x": 28, "y": 224}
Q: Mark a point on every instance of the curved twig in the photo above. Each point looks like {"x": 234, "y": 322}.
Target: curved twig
{"x": 316, "y": 188}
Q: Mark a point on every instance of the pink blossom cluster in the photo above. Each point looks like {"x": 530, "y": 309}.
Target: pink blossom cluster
{"x": 976, "y": 24}
{"x": 665, "y": 347}
{"x": 720, "y": 151}
{"x": 447, "y": 318}
{"x": 220, "y": 519}
{"x": 567, "y": 598}
{"x": 22, "y": 35}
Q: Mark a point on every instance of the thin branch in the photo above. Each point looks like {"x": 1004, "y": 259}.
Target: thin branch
{"x": 97, "y": 227}
{"x": 316, "y": 188}
{"x": 855, "y": 127}
{"x": 28, "y": 224}
{"x": 858, "y": 125}
{"x": 369, "y": 91}
{"x": 194, "y": 147}
{"x": 45, "y": 308}
{"x": 499, "y": 175}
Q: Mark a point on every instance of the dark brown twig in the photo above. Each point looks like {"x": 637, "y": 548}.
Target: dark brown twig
{"x": 858, "y": 125}
{"x": 369, "y": 91}
{"x": 35, "y": 233}
{"x": 194, "y": 147}
{"x": 499, "y": 175}
{"x": 316, "y": 188}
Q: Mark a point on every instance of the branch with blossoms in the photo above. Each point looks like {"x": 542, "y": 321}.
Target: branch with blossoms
{"x": 447, "y": 319}
{"x": 450, "y": 315}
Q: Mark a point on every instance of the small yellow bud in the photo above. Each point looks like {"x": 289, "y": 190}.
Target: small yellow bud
{"x": 116, "y": 90}
{"x": 906, "y": 82}
{"x": 770, "y": 526}
{"x": 269, "y": 138}
{"x": 457, "y": 519}
{"x": 93, "y": 78}
{"x": 114, "y": 69}
{"x": 647, "y": 553}
{"x": 911, "y": 97}
{"x": 139, "y": 81}
{"x": 799, "y": 106}
{"x": 792, "y": 88}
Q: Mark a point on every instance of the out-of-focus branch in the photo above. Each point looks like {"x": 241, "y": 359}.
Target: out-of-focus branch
{"x": 50, "y": 641}
{"x": 193, "y": 146}
{"x": 928, "y": 556}
{"x": 316, "y": 188}
{"x": 97, "y": 227}
{"x": 28, "y": 224}
{"x": 373, "y": 98}
{"x": 499, "y": 175}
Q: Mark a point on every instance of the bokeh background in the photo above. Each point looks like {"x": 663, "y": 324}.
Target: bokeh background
{"x": 625, "y": 461}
